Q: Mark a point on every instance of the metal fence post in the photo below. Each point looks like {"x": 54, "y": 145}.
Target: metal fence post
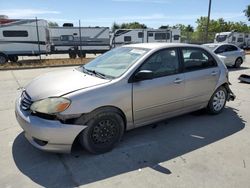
{"x": 80, "y": 35}
{"x": 208, "y": 20}
{"x": 38, "y": 40}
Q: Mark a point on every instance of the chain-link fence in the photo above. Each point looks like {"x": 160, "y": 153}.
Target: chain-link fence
{"x": 33, "y": 42}
{"x": 197, "y": 37}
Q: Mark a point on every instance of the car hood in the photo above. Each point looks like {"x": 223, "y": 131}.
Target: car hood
{"x": 59, "y": 83}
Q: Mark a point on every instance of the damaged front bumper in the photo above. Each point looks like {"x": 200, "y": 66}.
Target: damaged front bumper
{"x": 48, "y": 135}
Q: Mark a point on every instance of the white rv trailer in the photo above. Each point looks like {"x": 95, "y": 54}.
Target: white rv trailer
{"x": 241, "y": 40}
{"x": 21, "y": 37}
{"x": 79, "y": 40}
{"x": 131, "y": 36}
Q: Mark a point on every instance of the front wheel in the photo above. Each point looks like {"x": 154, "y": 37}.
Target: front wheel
{"x": 217, "y": 101}
{"x": 238, "y": 62}
{"x": 104, "y": 131}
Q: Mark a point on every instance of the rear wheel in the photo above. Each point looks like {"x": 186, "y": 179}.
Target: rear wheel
{"x": 3, "y": 59}
{"x": 238, "y": 62}
{"x": 81, "y": 55}
{"x": 217, "y": 101}
{"x": 104, "y": 131}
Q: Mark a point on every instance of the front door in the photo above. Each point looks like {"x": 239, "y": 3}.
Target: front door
{"x": 161, "y": 96}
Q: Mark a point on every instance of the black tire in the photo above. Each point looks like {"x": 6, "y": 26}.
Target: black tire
{"x": 13, "y": 58}
{"x": 218, "y": 100}
{"x": 3, "y": 59}
{"x": 238, "y": 62}
{"x": 104, "y": 131}
{"x": 83, "y": 55}
{"x": 72, "y": 54}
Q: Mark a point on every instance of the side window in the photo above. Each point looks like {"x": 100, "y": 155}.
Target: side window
{"x": 150, "y": 34}
{"x": 240, "y": 40}
{"x": 66, "y": 38}
{"x": 176, "y": 37}
{"x": 15, "y": 33}
{"x": 127, "y": 38}
{"x": 196, "y": 59}
{"x": 162, "y": 63}
{"x": 221, "y": 49}
{"x": 140, "y": 35}
{"x": 160, "y": 36}
{"x": 231, "y": 48}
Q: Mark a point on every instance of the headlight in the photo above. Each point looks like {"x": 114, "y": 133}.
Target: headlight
{"x": 51, "y": 105}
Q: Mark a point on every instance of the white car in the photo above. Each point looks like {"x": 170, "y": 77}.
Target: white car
{"x": 230, "y": 54}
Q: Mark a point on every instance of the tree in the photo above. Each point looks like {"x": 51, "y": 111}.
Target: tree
{"x": 189, "y": 28}
{"x": 164, "y": 27}
{"x": 247, "y": 12}
{"x": 115, "y": 26}
{"x": 53, "y": 24}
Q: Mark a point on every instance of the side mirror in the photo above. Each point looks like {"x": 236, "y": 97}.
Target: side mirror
{"x": 143, "y": 75}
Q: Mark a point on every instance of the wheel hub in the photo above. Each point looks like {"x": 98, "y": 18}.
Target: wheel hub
{"x": 104, "y": 132}
{"x": 219, "y": 100}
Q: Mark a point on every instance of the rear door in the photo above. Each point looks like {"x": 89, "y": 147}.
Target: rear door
{"x": 232, "y": 53}
{"x": 154, "y": 99}
{"x": 201, "y": 75}
{"x": 223, "y": 51}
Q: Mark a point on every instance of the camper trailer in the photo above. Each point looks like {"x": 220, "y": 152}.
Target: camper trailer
{"x": 19, "y": 37}
{"x": 239, "y": 39}
{"x": 131, "y": 36}
{"x": 79, "y": 40}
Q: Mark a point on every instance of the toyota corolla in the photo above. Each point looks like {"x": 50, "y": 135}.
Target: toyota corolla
{"x": 125, "y": 88}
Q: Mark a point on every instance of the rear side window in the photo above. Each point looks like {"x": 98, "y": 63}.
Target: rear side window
{"x": 231, "y": 48}
{"x": 127, "y": 38}
{"x": 197, "y": 59}
{"x": 15, "y": 33}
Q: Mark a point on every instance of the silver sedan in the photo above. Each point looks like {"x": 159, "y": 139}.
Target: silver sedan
{"x": 230, "y": 54}
{"x": 125, "y": 88}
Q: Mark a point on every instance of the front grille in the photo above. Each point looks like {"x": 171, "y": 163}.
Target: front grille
{"x": 25, "y": 101}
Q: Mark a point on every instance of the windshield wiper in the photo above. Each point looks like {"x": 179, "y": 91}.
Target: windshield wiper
{"x": 94, "y": 72}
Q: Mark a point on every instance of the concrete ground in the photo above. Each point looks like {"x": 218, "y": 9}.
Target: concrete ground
{"x": 194, "y": 150}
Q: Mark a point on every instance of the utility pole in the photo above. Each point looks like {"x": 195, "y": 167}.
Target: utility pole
{"x": 208, "y": 19}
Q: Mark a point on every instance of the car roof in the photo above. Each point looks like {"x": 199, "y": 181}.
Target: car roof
{"x": 160, "y": 45}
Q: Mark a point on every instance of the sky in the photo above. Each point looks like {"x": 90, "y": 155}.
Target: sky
{"x": 153, "y": 13}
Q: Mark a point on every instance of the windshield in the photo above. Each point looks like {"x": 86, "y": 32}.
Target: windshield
{"x": 221, "y": 38}
{"x": 114, "y": 63}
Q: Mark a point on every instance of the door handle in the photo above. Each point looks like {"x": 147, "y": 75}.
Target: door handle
{"x": 178, "y": 81}
{"x": 214, "y": 73}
